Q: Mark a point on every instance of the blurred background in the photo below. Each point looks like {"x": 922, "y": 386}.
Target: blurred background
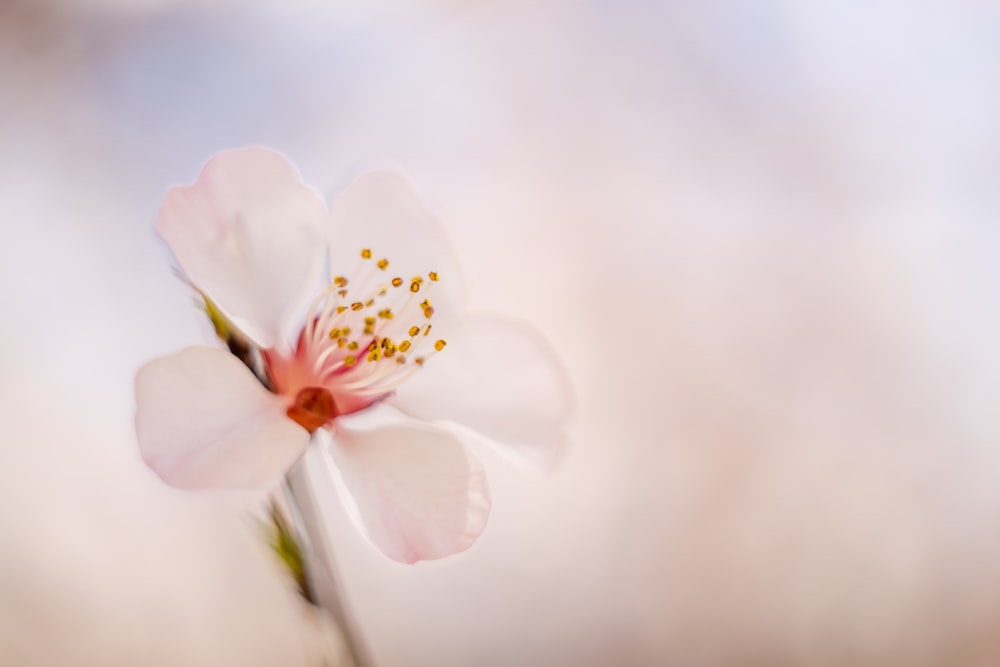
{"x": 763, "y": 236}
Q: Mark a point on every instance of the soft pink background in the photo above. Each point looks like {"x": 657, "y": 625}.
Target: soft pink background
{"x": 763, "y": 237}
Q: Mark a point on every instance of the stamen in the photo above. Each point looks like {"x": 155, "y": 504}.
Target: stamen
{"x": 320, "y": 362}
{"x": 329, "y": 370}
{"x": 316, "y": 324}
{"x": 332, "y": 312}
{"x": 311, "y": 318}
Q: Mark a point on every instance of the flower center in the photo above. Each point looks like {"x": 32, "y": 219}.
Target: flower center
{"x": 363, "y": 337}
{"x": 313, "y": 407}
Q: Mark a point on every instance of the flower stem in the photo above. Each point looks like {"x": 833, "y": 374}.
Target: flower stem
{"x": 322, "y": 577}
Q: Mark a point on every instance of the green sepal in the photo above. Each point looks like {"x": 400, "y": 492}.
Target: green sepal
{"x": 239, "y": 345}
{"x": 286, "y": 545}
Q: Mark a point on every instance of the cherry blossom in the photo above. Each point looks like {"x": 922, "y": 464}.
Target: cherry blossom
{"x": 346, "y": 320}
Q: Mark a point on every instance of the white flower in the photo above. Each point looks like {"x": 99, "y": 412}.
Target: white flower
{"x": 379, "y": 355}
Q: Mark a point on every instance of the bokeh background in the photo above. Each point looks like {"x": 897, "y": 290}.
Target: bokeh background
{"x": 763, "y": 236}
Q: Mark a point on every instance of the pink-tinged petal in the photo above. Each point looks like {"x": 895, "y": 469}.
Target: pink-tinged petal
{"x": 500, "y": 378}
{"x": 382, "y": 211}
{"x": 204, "y": 421}
{"x": 416, "y": 492}
{"x": 248, "y": 234}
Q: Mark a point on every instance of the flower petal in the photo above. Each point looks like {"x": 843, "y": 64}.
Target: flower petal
{"x": 500, "y": 378}
{"x": 381, "y": 211}
{"x": 248, "y": 234}
{"x": 204, "y": 421}
{"x": 416, "y": 491}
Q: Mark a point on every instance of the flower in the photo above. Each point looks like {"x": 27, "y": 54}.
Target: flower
{"x": 379, "y": 355}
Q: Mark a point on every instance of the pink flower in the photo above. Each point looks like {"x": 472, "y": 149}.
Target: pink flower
{"x": 378, "y": 354}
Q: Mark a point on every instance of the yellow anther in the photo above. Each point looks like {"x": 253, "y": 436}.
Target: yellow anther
{"x": 420, "y": 361}
{"x": 369, "y": 329}
{"x": 346, "y": 331}
{"x": 353, "y": 345}
{"x": 383, "y": 292}
{"x": 340, "y": 281}
{"x": 401, "y": 359}
{"x": 385, "y": 314}
{"x": 335, "y": 334}
{"x": 366, "y": 253}
{"x": 369, "y": 303}
{"x": 357, "y": 305}
{"x": 396, "y": 282}
{"x": 439, "y": 345}
{"x": 341, "y": 342}
{"x": 375, "y": 353}
{"x": 369, "y": 320}
{"x": 383, "y": 264}
{"x": 342, "y": 293}
{"x": 415, "y": 284}
{"x": 427, "y": 329}
{"x": 341, "y": 309}
{"x": 350, "y": 360}
{"x": 414, "y": 330}
{"x": 404, "y": 345}
{"x": 433, "y": 275}
{"x": 428, "y": 308}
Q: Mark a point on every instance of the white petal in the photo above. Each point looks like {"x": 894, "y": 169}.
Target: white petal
{"x": 383, "y": 212}
{"x": 248, "y": 234}
{"x": 416, "y": 491}
{"x": 204, "y": 421}
{"x": 500, "y": 378}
